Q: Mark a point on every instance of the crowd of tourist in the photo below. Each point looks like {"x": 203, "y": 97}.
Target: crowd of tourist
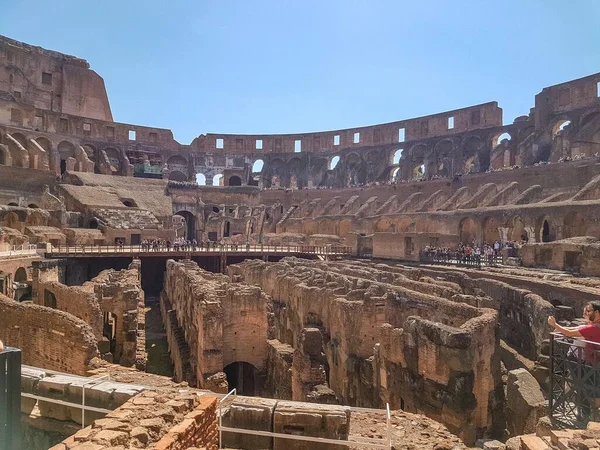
{"x": 472, "y": 253}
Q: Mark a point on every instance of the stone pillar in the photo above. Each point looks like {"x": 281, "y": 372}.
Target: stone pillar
{"x": 503, "y": 231}
{"x": 530, "y": 234}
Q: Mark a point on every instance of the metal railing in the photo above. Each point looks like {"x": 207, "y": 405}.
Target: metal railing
{"x": 574, "y": 381}
{"x": 353, "y": 441}
{"x": 75, "y": 250}
{"x": 10, "y": 398}
{"x": 459, "y": 259}
{"x": 19, "y": 250}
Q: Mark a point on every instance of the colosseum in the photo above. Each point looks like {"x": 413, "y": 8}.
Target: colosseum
{"x": 386, "y": 286}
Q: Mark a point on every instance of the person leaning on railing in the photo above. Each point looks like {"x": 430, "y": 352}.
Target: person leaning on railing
{"x": 590, "y": 333}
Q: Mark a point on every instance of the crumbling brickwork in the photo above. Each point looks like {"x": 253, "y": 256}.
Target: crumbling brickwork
{"x": 220, "y": 322}
{"x": 385, "y": 338}
{"x": 47, "y": 337}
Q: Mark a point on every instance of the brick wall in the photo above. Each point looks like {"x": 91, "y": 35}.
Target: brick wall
{"x": 199, "y": 429}
{"x": 48, "y": 338}
{"x": 166, "y": 419}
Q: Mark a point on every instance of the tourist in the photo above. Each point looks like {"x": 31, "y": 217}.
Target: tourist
{"x": 1, "y": 346}
{"x": 585, "y": 389}
{"x": 589, "y": 332}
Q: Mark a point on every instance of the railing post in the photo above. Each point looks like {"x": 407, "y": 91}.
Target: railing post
{"x": 10, "y": 398}
{"x": 551, "y": 393}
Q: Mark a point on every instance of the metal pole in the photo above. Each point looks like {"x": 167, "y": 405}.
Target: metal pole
{"x": 389, "y": 429}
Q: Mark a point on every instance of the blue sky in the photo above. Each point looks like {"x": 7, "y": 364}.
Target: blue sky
{"x": 278, "y": 66}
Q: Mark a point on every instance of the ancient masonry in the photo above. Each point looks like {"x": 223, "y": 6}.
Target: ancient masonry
{"x": 253, "y": 288}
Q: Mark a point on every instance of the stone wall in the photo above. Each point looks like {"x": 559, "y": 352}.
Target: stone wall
{"x": 385, "y": 338}
{"x": 167, "y": 419}
{"x": 47, "y": 337}
{"x": 222, "y": 323}
{"x": 116, "y": 293}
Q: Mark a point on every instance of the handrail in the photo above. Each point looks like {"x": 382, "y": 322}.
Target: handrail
{"x": 199, "y": 249}
{"x": 221, "y": 400}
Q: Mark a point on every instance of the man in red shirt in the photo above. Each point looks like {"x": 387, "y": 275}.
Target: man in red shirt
{"x": 585, "y": 388}
{"x": 589, "y": 332}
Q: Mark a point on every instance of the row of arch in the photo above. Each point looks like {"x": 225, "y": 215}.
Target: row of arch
{"x": 543, "y": 229}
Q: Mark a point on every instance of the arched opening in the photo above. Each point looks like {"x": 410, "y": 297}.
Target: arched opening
{"x": 109, "y": 331}
{"x": 33, "y": 206}
{"x": 469, "y": 231}
{"x": 546, "y": 232}
{"x": 419, "y": 171}
{"x": 517, "y": 231}
{"x": 243, "y": 377}
{"x": 2, "y": 159}
{"x": 13, "y": 204}
{"x": 201, "y": 179}
{"x": 216, "y": 209}
{"x": 490, "y": 230}
{"x": 235, "y": 181}
{"x": 395, "y": 173}
{"x": 176, "y": 175}
{"x": 227, "y": 229}
{"x": 44, "y": 143}
{"x": 129, "y": 203}
{"x": 397, "y": 156}
{"x": 559, "y": 126}
{"x": 334, "y": 162}
{"x": 93, "y": 224}
{"x": 499, "y": 138}
{"x": 258, "y": 165}
{"x": 189, "y": 225}
{"x": 114, "y": 159}
{"x": 66, "y": 150}
{"x": 177, "y": 160}
{"x": 21, "y": 275}
{"x": 218, "y": 180}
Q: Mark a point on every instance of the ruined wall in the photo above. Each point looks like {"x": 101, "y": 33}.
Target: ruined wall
{"x": 168, "y": 419}
{"x": 117, "y": 293}
{"x": 385, "y": 338}
{"x": 48, "y": 338}
{"x": 221, "y": 323}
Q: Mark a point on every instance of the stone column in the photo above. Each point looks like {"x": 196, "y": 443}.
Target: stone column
{"x": 530, "y": 234}
{"x": 503, "y": 231}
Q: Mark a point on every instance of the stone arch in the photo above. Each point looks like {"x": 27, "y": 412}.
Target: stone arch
{"x": 560, "y": 125}
{"x": 90, "y": 151}
{"x": 546, "y": 229}
{"x": 469, "y": 230}
{"x": 574, "y": 225}
{"x": 471, "y": 149}
{"x": 17, "y": 147}
{"x": 33, "y": 206}
{"x": 242, "y": 376}
{"x": 65, "y": 150}
{"x": 517, "y": 229}
{"x": 20, "y": 275}
{"x": 234, "y": 180}
{"x": 217, "y": 179}
{"x": 201, "y": 179}
{"x": 334, "y": 162}
{"x": 498, "y": 138}
{"x": 44, "y": 143}
{"x": 353, "y": 165}
{"x": 490, "y": 230}
{"x": 258, "y": 165}
{"x": 189, "y": 228}
{"x": 177, "y": 160}
{"x": 395, "y": 156}
{"x": 177, "y": 175}
{"x": 114, "y": 159}
{"x": 444, "y": 160}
